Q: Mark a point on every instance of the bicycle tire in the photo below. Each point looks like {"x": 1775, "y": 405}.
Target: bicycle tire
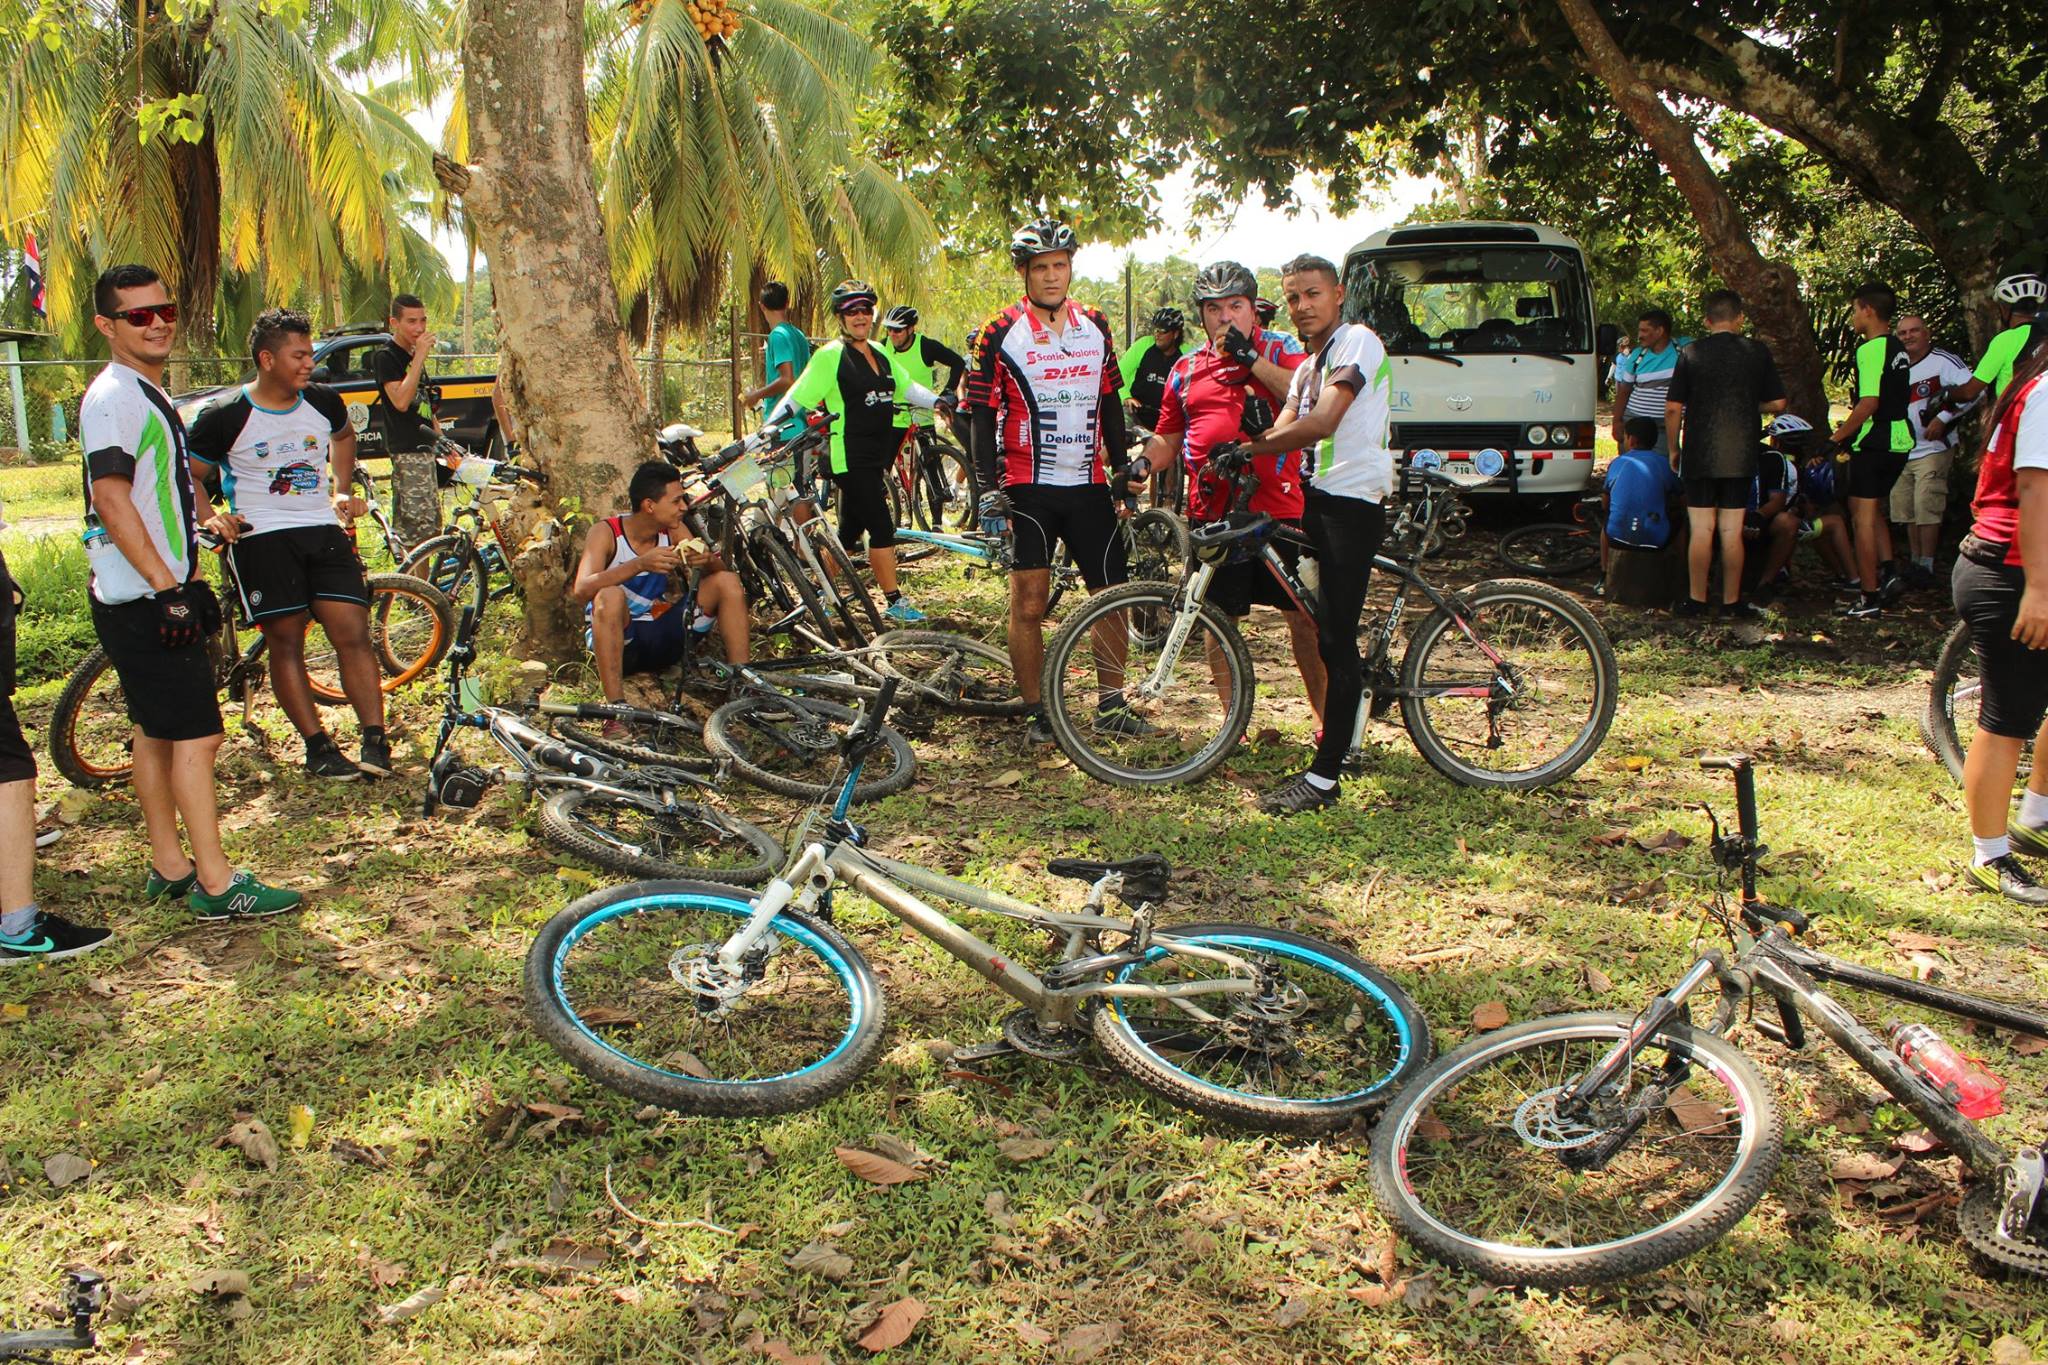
{"x": 452, "y": 563}
{"x": 1148, "y": 1054}
{"x": 945, "y": 478}
{"x": 1441, "y": 631}
{"x": 407, "y": 647}
{"x": 569, "y": 821}
{"x": 859, "y": 619}
{"x": 953, "y": 671}
{"x": 1955, "y": 690}
{"x": 659, "y": 743}
{"x": 91, "y": 738}
{"x": 1550, "y": 549}
{"x": 1399, "y": 1161}
{"x": 659, "y": 1010}
{"x": 901, "y": 479}
{"x": 776, "y": 560}
{"x": 818, "y": 725}
{"x": 1201, "y": 742}
{"x": 1159, "y": 548}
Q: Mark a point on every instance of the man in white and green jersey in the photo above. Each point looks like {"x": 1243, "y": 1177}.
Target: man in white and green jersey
{"x": 1339, "y": 409}
{"x": 2019, "y": 299}
{"x": 783, "y": 357}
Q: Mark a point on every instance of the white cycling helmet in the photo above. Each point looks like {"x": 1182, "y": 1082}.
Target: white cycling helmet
{"x": 1785, "y": 423}
{"x": 2018, "y": 289}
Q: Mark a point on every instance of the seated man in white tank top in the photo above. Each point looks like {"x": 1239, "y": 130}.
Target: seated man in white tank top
{"x": 628, "y": 584}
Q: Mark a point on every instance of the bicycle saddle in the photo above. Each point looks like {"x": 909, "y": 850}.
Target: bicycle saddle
{"x": 1145, "y": 876}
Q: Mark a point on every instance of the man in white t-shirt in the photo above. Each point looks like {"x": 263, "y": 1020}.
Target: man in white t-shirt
{"x": 1338, "y": 410}
{"x": 1920, "y": 497}
{"x": 271, "y": 441}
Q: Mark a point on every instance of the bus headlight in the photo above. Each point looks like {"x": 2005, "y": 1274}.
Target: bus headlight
{"x": 1561, "y": 435}
{"x": 1538, "y": 434}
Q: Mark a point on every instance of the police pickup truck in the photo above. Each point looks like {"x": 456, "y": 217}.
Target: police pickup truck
{"x": 344, "y": 360}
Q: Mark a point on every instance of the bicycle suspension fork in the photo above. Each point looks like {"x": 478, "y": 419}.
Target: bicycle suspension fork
{"x": 1193, "y": 592}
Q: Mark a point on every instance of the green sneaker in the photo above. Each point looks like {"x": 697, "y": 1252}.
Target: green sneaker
{"x": 2008, "y": 877}
{"x": 2031, "y": 839}
{"x": 162, "y": 888}
{"x": 245, "y": 898}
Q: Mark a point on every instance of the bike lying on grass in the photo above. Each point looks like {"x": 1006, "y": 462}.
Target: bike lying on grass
{"x": 85, "y": 1294}
{"x": 1590, "y": 1147}
{"x": 1508, "y": 684}
{"x": 622, "y": 817}
{"x": 92, "y": 740}
{"x": 690, "y": 996}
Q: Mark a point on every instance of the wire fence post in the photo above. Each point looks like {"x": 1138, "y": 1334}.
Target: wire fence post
{"x": 10, "y": 355}
{"x": 1128, "y": 266}
{"x": 732, "y": 364}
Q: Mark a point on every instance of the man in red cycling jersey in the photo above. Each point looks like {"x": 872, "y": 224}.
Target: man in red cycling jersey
{"x": 1042, "y": 405}
{"x": 1229, "y": 389}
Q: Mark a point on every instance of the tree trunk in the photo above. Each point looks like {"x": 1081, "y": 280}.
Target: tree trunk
{"x": 566, "y": 367}
{"x": 195, "y": 179}
{"x": 1769, "y": 289}
{"x": 469, "y": 297}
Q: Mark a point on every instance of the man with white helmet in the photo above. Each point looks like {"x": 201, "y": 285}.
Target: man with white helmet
{"x": 2019, "y": 299}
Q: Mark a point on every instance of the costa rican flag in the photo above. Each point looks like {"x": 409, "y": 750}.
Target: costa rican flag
{"x": 32, "y": 262}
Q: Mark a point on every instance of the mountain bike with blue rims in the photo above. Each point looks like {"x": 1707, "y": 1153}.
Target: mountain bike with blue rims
{"x": 711, "y": 1001}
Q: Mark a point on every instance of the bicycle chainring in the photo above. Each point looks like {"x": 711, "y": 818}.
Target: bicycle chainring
{"x": 1021, "y": 1030}
{"x": 1977, "y": 1219}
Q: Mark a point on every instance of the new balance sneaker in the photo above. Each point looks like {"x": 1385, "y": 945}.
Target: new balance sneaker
{"x": 2028, "y": 838}
{"x": 245, "y": 898}
{"x": 376, "y": 755}
{"x": 324, "y": 758}
{"x": 1296, "y": 795}
{"x": 162, "y": 888}
{"x": 1114, "y": 716}
{"x": 2008, "y": 877}
{"x": 51, "y": 937}
{"x": 903, "y": 613}
{"x": 1039, "y": 732}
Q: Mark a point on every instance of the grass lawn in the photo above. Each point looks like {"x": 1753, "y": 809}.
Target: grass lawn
{"x": 429, "y": 1142}
{"x": 33, "y": 495}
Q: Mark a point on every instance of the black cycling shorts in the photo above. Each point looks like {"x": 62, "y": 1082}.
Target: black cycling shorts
{"x": 1079, "y": 516}
{"x": 2014, "y": 678}
{"x": 1239, "y": 587}
{"x": 17, "y": 761}
{"x": 1718, "y": 493}
{"x": 1872, "y": 473}
{"x": 282, "y": 572}
{"x": 170, "y": 692}
{"x": 864, "y": 509}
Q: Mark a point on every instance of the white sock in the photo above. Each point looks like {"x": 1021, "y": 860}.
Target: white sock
{"x": 1990, "y": 850}
{"x": 2033, "y": 809}
{"x": 15, "y": 923}
{"x": 1321, "y": 784}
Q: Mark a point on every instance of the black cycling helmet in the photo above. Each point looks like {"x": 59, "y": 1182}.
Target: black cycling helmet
{"x": 1040, "y": 236}
{"x": 902, "y": 315}
{"x": 848, "y": 294}
{"x": 1267, "y": 311}
{"x": 1169, "y": 320}
{"x": 1225, "y": 280}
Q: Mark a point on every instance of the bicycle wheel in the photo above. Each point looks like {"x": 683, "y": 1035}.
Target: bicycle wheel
{"x": 640, "y": 737}
{"x": 607, "y": 985}
{"x": 791, "y": 588}
{"x": 859, "y": 619}
{"x": 790, "y": 745}
{"x": 1551, "y": 549}
{"x": 1949, "y": 722}
{"x": 1159, "y": 550}
{"x": 452, "y": 564}
{"x": 1328, "y": 1039}
{"x": 92, "y": 741}
{"x": 411, "y": 626}
{"x": 1514, "y": 690}
{"x": 1184, "y": 708}
{"x": 1473, "y": 1160}
{"x": 954, "y": 671}
{"x": 947, "y": 491}
{"x": 617, "y": 832}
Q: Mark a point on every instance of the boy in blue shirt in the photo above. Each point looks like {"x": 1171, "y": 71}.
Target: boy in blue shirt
{"x": 1640, "y": 489}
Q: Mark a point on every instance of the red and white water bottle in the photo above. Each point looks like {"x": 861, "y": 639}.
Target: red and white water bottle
{"x": 1975, "y": 1091}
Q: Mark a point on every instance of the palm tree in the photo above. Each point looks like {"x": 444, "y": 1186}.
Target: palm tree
{"x": 281, "y": 178}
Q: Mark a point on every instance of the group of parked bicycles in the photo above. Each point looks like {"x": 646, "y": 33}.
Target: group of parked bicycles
{"x": 721, "y": 981}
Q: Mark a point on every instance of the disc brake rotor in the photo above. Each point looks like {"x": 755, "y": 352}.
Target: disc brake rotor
{"x": 1538, "y": 1123}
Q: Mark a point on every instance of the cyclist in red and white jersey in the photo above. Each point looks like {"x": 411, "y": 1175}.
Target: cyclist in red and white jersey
{"x": 1042, "y": 406}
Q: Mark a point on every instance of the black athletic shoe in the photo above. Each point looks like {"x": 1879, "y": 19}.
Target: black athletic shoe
{"x": 1865, "y": 608}
{"x": 1742, "y": 611}
{"x": 1039, "y": 732}
{"x": 51, "y": 937}
{"x": 1117, "y": 718}
{"x": 376, "y": 757}
{"x": 1689, "y": 608}
{"x": 1296, "y": 795}
{"x": 325, "y": 759}
{"x": 2008, "y": 877}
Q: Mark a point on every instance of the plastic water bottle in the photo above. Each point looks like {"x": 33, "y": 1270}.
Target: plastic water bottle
{"x": 1975, "y": 1090}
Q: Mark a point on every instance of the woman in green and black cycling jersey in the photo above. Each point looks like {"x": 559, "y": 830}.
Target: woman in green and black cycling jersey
{"x": 860, "y": 384}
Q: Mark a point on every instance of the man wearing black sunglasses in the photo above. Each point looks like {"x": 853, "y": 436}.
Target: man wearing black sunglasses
{"x": 151, "y": 606}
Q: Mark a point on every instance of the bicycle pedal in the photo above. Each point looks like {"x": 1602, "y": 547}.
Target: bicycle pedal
{"x": 981, "y": 1052}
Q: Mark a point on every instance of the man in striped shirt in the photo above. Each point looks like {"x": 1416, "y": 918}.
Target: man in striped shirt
{"x": 1642, "y": 378}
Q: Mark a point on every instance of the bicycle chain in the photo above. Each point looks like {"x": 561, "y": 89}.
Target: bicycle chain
{"x": 1977, "y": 1220}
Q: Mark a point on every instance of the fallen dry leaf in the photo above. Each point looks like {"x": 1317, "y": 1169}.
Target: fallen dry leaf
{"x": 1025, "y": 1148}
{"x": 874, "y": 1168}
{"x": 606, "y": 1016}
{"x": 1292, "y": 1311}
{"x": 2026, "y": 1045}
{"x": 1694, "y": 1115}
{"x": 823, "y": 1260}
{"x": 65, "y": 1168}
{"x": 541, "y": 1109}
{"x": 2010, "y": 1350}
{"x": 1918, "y": 1143}
{"x": 342, "y": 1149}
{"x": 780, "y": 1351}
{"x": 1430, "y": 1128}
{"x": 1866, "y": 1166}
{"x": 221, "y": 1282}
{"x": 894, "y": 1326}
{"x": 413, "y": 1305}
{"x": 900, "y": 1149}
{"x": 566, "y": 1254}
{"x": 252, "y": 1138}
{"x": 1008, "y": 778}
{"x": 1597, "y": 981}
{"x": 1491, "y": 1015}
{"x": 1912, "y": 941}
{"x": 1612, "y": 837}
{"x": 1669, "y": 841}
{"x": 1090, "y": 1340}
{"x": 1374, "y": 1295}
{"x": 1031, "y": 1334}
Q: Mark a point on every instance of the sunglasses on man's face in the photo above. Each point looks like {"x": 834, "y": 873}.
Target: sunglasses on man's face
{"x": 139, "y": 317}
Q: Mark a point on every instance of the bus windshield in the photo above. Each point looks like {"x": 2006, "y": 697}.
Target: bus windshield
{"x": 1466, "y": 300}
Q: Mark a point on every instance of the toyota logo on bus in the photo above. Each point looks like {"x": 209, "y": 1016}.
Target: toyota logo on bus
{"x": 1458, "y": 402}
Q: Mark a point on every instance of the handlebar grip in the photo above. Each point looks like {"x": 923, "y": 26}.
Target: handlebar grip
{"x": 1726, "y": 763}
